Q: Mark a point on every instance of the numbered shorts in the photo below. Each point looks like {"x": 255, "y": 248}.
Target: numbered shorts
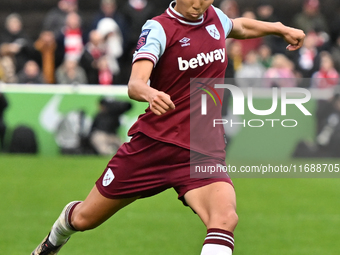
{"x": 144, "y": 167}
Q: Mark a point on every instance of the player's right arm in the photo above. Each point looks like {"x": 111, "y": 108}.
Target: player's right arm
{"x": 150, "y": 47}
{"x": 139, "y": 90}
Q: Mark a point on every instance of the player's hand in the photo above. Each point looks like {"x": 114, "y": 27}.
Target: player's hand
{"x": 294, "y": 37}
{"x": 160, "y": 103}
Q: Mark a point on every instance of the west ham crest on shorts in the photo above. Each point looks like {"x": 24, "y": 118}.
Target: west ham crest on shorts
{"x": 212, "y": 30}
{"x": 108, "y": 177}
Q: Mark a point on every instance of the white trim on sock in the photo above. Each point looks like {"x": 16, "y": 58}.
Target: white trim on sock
{"x": 216, "y": 249}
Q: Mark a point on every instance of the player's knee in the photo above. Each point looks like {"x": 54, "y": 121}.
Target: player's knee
{"x": 225, "y": 220}
{"x": 229, "y": 219}
{"x": 232, "y": 218}
{"x": 82, "y": 223}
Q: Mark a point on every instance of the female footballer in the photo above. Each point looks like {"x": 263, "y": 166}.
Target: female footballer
{"x": 186, "y": 42}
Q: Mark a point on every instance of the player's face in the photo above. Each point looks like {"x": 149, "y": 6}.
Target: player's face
{"x": 192, "y": 9}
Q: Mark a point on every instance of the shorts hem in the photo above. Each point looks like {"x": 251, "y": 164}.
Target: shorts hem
{"x": 138, "y": 195}
{"x": 200, "y": 185}
{"x": 109, "y": 196}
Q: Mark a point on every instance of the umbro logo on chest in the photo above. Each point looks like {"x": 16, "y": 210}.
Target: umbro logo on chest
{"x": 211, "y": 29}
{"x": 184, "y": 41}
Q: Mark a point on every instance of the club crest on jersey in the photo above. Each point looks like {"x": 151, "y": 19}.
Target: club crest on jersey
{"x": 142, "y": 38}
{"x": 184, "y": 41}
{"x": 212, "y": 30}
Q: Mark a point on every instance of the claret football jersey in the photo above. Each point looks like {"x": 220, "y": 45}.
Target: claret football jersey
{"x": 182, "y": 51}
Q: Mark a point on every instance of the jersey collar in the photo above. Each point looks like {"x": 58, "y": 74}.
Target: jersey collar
{"x": 174, "y": 14}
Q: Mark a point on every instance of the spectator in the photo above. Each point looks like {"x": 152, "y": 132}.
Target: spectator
{"x": 31, "y": 74}
{"x": 310, "y": 19}
{"x": 46, "y": 45}
{"x": 70, "y": 41}
{"x": 70, "y": 73}
{"x": 8, "y": 67}
{"x": 335, "y": 24}
{"x": 55, "y": 18}
{"x": 93, "y": 51}
{"x": 108, "y": 9}
{"x": 3, "y": 106}
{"x": 110, "y": 31}
{"x": 103, "y": 136}
{"x": 325, "y": 107}
{"x": 335, "y": 51}
{"x": 250, "y": 44}
{"x": 15, "y": 44}
{"x": 265, "y": 56}
{"x": 306, "y": 59}
{"x": 72, "y": 131}
{"x": 2, "y": 72}
{"x": 251, "y": 71}
{"x": 326, "y": 76}
{"x": 235, "y": 54}
{"x": 135, "y": 13}
{"x": 105, "y": 76}
{"x": 327, "y": 138}
{"x": 265, "y": 12}
{"x": 281, "y": 73}
{"x": 230, "y": 8}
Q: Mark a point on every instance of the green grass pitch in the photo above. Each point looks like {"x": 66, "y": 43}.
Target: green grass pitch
{"x": 277, "y": 216}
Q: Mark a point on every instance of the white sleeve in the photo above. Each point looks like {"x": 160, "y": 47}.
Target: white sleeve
{"x": 151, "y": 43}
{"x": 226, "y": 22}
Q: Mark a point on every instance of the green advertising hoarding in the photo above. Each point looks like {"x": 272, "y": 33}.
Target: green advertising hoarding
{"x": 41, "y": 107}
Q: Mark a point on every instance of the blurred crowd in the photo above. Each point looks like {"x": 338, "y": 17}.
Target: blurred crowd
{"x": 68, "y": 52}
{"x": 318, "y": 59}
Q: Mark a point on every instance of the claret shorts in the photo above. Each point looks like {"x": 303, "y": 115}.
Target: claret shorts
{"x": 144, "y": 167}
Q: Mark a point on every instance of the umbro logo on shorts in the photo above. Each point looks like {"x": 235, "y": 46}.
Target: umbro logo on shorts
{"x": 108, "y": 177}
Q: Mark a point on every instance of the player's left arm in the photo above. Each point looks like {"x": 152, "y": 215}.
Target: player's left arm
{"x": 244, "y": 28}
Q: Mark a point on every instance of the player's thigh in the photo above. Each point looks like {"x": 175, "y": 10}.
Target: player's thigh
{"x": 96, "y": 209}
{"x": 215, "y": 204}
